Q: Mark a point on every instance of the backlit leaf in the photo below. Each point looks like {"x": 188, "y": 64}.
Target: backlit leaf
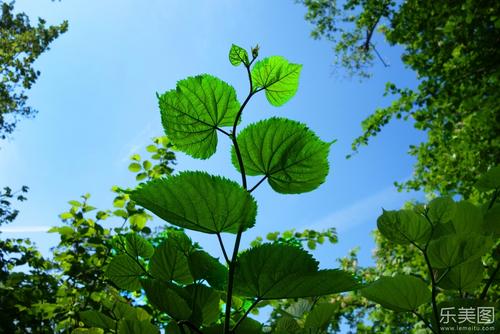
{"x": 125, "y": 272}
{"x": 238, "y": 55}
{"x": 138, "y": 246}
{"x": 199, "y": 201}
{"x": 278, "y": 77}
{"x": 170, "y": 263}
{"x": 454, "y": 249}
{"x": 292, "y": 157}
{"x": 398, "y": 293}
{"x": 193, "y": 111}
{"x": 404, "y": 227}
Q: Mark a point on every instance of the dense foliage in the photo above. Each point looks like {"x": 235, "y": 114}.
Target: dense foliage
{"x": 453, "y": 49}
{"x": 21, "y": 44}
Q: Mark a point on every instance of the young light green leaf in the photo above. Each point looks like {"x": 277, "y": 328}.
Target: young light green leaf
{"x": 134, "y": 167}
{"x": 275, "y": 271}
{"x": 192, "y": 113}
{"x": 125, "y": 272}
{"x": 291, "y": 156}
{"x": 454, "y": 249}
{"x": 399, "y": 293}
{"x": 136, "y": 327}
{"x": 97, "y": 319}
{"x": 169, "y": 263}
{"x": 138, "y": 246}
{"x": 464, "y": 277}
{"x": 278, "y": 77}
{"x": 199, "y": 201}
{"x": 490, "y": 180}
{"x": 404, "y": 227}
{"x": 166, "y": 299}
{"x": 441, "y": 210}
{"x": 238, "y": 55}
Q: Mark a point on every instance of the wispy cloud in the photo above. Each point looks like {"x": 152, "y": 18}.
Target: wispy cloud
{"x": 137, "y": 143}
{"x": 25, "y": 229}
{"x": 362, "y": 212}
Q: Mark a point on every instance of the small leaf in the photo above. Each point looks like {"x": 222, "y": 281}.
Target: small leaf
{"x": 398, "y": 293}
{"x": 138, "y": 246}
{"x": 134, "y": 167}
{"x": 151, "y": 148}
{"x": 278, "y": 77}
{"x": 291, "y": 156}
{"x": 125, "y": 272}
{"x": 238, "y": 55}
{"x": 193, "y": 111}
{"x": 404, "y": 227}
{"x": 199, "y": 201}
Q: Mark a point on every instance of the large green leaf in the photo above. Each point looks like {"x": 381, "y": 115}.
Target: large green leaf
{"x": 170, "y": 263}
{"x": 193, "y": 111}
{"x": 441, "y": 210}
{"x": 490, "y": 180}
{"x": 454, "y": 249}
{"x": 275, "y": 271}
{"x": 404, "y": 227}
{"x": 199, "y": 201}
{"x": 278, "y": 77}
{"x": 238, "y": 55}
{"x": 125, "y": 272}
{"x": 468, "y": 218}
{"x": 398, "y": 293}
{"x": 492, "y": 221}
{"x": 136, "y": 327}
{"x": 203, "y": 266}
{"x": 292, "y": 157}
{"x": 287, "y": 325}
{"x": 165, "y": 298}
{"x": 138, "y": 246}
{"x": 97, "y": 319}
{"x": 320, "y": 317}
{"x": 464, "y": 277}
{"x": 205, "y": 301}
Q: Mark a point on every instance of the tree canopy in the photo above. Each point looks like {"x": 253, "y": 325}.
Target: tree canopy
{"x": 453, "y": 48}
{"x": 21, "y": 43}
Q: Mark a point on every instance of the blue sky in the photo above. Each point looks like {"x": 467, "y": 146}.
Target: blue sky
{"x": 97, "y": 105}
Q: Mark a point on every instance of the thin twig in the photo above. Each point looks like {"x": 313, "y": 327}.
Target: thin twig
{"x": 425, "y": 322}
{"x": 240, "y": 320}
{"x": 258, "y": 184}
{"x": 223, "y": 248}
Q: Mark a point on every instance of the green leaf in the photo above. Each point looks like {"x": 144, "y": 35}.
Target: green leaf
{"x": 205, "y": 303}
{"x": 490, "y": 180}
{"x": 398, "y": 293}
{"x": 203, "y": 266}
{"x": 404, "y": 227}
{"x": 193, "y": 111}
{"x": 287, "y": 325}
{"x": 464, "y": 277}
{"x": 170, "y": 263}
{"x": 441, "y": 210}
{"x": 151, "y": 148}
{"x": 97, "y": 319}
{"x": 275, "y": 271}
{"x": 165, "y": 298}
{"x": 87, "y": 331}
{"x": 136, "y": 327}
{"x": 134, "y": 167}
{"x": 123, "y": 310}
{"x": 125, "y": 272}
{"x": 320, "y": 317}
{"x": 468, "y": 218}
{"x": 454, "y": 249}
{"x": 278, "y": 77}
{"x": 492, "y": 221}
{"x": 238, "y": 55}
{"x": 138, "y": 246}
{"x": 247, "y": 326}
{"x": 199, "y": 201}
{"x": 291, "y": 156}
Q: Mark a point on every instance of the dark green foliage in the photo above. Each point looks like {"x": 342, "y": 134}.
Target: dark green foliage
{"x": 21, "y": 44}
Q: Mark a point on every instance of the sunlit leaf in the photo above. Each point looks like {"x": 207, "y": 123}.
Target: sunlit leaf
{"x": 125, "y": 272}
{"x": 138, "y": 246}
{"x": 238, "y": 55}
{"x": 404, "y": 227}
